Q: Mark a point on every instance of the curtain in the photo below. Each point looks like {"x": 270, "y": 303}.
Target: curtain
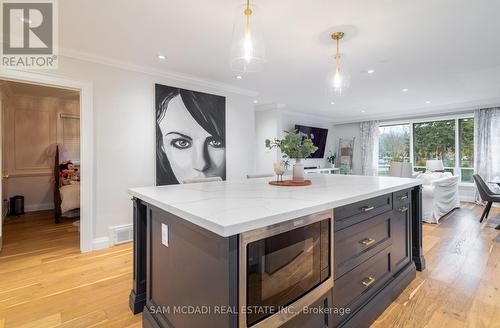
{"x": 369, "y": 133}
{"x": 487, "y": 146}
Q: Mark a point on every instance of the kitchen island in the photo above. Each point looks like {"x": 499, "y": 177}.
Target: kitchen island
{"x": 245, "y": 253}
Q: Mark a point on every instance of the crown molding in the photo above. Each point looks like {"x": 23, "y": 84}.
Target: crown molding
{"x": 181, "y": 77}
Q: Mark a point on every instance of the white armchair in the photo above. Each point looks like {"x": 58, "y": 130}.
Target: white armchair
{"x": 439, "y": 192}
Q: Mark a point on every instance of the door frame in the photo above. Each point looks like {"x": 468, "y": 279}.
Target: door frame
{"x": 87, "y": 191}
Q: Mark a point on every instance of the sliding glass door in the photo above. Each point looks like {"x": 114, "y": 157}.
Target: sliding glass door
{"x": 466, "y": 146}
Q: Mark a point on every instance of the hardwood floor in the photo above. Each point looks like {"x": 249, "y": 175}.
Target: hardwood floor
{"x": 461, "y": 285}
{"x": 46, "y": 282}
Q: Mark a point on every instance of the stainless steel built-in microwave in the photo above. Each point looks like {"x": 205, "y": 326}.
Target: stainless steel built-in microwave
{"x": 281, "y": 265}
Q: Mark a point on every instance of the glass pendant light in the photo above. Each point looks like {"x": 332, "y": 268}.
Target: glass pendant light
{"x": 247, "y": 49}
{"x": 338, "y": 79}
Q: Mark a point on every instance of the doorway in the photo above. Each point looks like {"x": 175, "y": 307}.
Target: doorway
{"x": 84, "y": 96}
{"x": 40, "y": 159}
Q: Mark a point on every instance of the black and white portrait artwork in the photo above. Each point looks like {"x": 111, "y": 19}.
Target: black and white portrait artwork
{"x": 190, "y": 135}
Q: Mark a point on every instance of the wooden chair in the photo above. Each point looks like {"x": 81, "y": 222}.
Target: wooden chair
{"x": 486, "y": 195}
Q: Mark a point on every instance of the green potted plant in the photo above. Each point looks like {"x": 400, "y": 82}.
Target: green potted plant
{"x": 331, "y": 159}
{"x": 296, "y": 147}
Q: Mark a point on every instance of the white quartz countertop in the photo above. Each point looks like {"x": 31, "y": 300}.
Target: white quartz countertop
{"x": 232, "y": 207}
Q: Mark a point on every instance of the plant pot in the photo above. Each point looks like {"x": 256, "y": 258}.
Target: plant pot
{"x": 298, "y": 171}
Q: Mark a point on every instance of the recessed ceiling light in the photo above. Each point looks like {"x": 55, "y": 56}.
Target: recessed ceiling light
{"x": 161, "y": 57}
{"x": 428, "y": 102}
{"x": 332, "y": 102}
{"x": 363, "y": 111}
{"x": 239, "y": 77}
{"x": 405, "y": 90}
{"x": 370, "y": 71}
{"x": 255, "y": 101}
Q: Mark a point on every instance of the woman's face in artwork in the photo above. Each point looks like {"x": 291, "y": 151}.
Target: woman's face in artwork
{"x": 190, "y": 149}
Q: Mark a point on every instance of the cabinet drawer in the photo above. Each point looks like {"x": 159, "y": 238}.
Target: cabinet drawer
{"x": 401, "y": 198}
{"x": 359, "y": 242}
{"x": 353, "y": 213}
{"x": 363, "y": 281}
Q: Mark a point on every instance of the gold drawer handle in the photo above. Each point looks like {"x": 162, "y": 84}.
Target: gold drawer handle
{"x": 403, "y": 209}
{"x": 367, "y": 282}
{"x": 367, "y": 241}
{"x": 367, "y": 208}
{"x": 403, "y": 197}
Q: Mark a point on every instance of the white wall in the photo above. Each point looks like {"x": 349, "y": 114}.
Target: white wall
{"x": 124, "y": 134}
{"x": 266, "y": 127}
{"x": 348, "y": 131}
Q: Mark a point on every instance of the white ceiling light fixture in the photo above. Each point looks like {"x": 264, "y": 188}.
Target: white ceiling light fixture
{"x": 255, "y": 101}
{"x": 363, "y": 111}
{"x": 428, "y": 102}
{"x": 248, "y": 53}
{"x": 338, "y": 79}
{"x": 370, "y": 71}
{"x": 239, "y": 77}
{"x": 405, "y": 90}
{"x": 162, "y": 57}
{"x": 332, "y": 102}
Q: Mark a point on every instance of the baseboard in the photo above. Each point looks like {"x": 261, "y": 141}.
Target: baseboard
{"x": 100, "y": 243}
{"x": 38, "y": 207}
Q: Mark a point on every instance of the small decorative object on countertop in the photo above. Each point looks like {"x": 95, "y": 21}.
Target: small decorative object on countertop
{"x": 293, "y": 145}
{"x": 279, "y": 169}
{"x": 290, "y": 183}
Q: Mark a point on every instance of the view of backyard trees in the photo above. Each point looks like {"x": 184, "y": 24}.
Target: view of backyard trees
{"x": 394, "y": 144}
{"x": 431, "y": 140}
{"x": 434, "y": 140}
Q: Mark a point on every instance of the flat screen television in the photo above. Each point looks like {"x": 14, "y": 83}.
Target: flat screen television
{"x": 318, "y": 136}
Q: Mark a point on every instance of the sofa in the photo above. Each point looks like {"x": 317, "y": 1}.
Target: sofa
{"x": 439, "y": 195}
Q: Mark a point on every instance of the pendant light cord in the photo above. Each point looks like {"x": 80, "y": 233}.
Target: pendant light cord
{"x": 337, "y": 57}
{"x": 247, "y": 13}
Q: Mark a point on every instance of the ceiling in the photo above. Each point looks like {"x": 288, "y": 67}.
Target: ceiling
{"x": 445, "y": 52}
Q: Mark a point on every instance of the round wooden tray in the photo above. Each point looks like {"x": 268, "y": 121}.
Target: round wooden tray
{"x": 290, "y": 183}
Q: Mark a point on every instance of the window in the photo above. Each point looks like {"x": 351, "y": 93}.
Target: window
{"x": 466, "y": 146}
{"x": 70, "y": 138}
{"x": 394, "y": 146}
{"x": 434, "y": 140}
{"x": 451, "y": 140}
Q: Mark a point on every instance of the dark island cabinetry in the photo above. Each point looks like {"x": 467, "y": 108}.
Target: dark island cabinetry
{"x": 364, "y": 254}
